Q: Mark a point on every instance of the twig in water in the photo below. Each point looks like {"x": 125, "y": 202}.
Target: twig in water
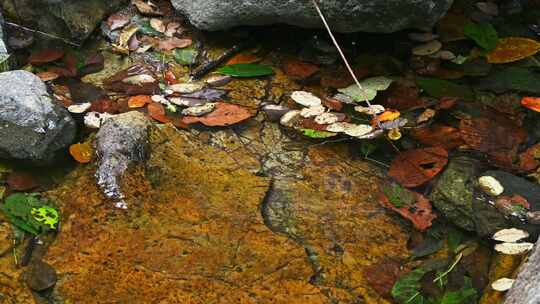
{"x": 205, "y": 68}
{"x": 42, "y": 33}
{"x": 321, "y": 15}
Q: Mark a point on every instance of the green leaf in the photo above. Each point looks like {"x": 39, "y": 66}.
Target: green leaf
{"x": 512, "y": 78}
{"x": 484, "y": 34}
{"x": 18, "y": 209}
{"x": 317, "y": 134}
{"x": 398, "y": 196}
{"x": 443, "y": 88}
{"x": 463, "y": 296}
{"x": 455, "y": 237}
{"x": 185, "y": 56}
{"x": 370, "y": 87}
{"x": 146, "y": 29}
{"x": 246, "y": 70}
{"x": 407, "y": 289}
{"x": 429, "y": 246}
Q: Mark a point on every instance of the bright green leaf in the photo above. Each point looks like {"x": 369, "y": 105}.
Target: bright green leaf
{"x": 18, "y": 209}
{"x": 484, "y": 34}
{"x": 443, "y": 88}
{"x": 317, "y": 134}
{"x": 463, "y": 296}
{"x": 185, "y": 56}
{"x": 246, "y": 70}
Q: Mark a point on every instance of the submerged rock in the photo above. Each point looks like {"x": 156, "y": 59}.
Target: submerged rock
{"x": 121, "y": 141}
{"x": 70, "y": 19}
{"x": 344, "y": 16}
{"x": 40, "y": 276}
{"x": 33, "y": 126}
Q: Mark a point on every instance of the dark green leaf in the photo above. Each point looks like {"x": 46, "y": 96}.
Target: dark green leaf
{"x": 443, "y": 88}
{"x": 429, "y": 246}
{"x": 463, "y": 296}
{"x": 246, "y": 70}
{"x": 407, "y": 289}
{"x": 398, "y": 196}
{"x": 18, "y": 209}
{"x": 455, "y": 237}
{"x": 512, "y": 78}
{"x": 484, "y": 34}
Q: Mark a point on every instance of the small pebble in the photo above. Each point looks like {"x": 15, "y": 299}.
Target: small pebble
{"x": 327, "y": 118}
{"x": 358, "y": 130}
{"x": 427, "y": 49}
{"x": 511, "y": 235}
{"x": 274, "y": 112}
{"x": 94, "y": 120}
{"x": 289, "y": 119}
{"x": 40, "y": 276}
{"x": 488, "y": 8}
{"x": 373, "y": 110}
{"x": 187, "y": 102}
{"x": 490, "y": 185}
{"x": 186, "y": 88}
{"x": 446, "y": 55}
{"x": 502, "y": 284}
{"x": 514, "y": 248}
{"x": 306, "y": 99}
{"x": 79, "y": 108}
{"x": 312, "y": 111}
{"x": 218, "y": 80}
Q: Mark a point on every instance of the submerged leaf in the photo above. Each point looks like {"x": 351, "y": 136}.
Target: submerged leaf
{"x": 45, "y": 56}
{"x": 246, "y": 70}
{"x": 484, "y": 34}
{"x": 512, "y": 49}
{"x": 443, "y": 88}
{"x": 369, "y": 89}
{"x": 415, "y": 167}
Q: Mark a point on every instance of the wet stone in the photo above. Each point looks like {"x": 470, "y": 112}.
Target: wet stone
{"x": 40, "y": 276}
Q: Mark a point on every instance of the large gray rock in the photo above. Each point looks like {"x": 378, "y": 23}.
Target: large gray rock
{"x": 70, "y": 19}
{"x": 32, "y": 125}
{"x": 525, "y": 288}
{"x": 343, "y": 15}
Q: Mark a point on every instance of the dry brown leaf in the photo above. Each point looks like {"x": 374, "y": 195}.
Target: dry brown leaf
{"x": 416, "y": 167}
{"x": 45, "y": 56}
{"x": 488, "y": 135}
{"x": 420, "y": 213}
{"x": 117, "y": 21}
{"x": 299, "y": 69}
{"x": 438, "y": 135}
{"x": 157, "y": 112}
{"x": 174, "y": 43}
{"x": 225, "y": 114}
{"x": 47, "y": 76}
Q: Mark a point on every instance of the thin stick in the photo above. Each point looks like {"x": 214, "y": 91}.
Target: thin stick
{"x": 42, "y": 33}
{"x": 343, "y": 57}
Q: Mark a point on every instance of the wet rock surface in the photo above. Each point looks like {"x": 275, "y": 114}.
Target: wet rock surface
{"x": 202, "y": 228}
{"x": 71, "y": 19}
{"x": 344, "y": 16}
{"x": 33, "y": 127}
{"x": 40, "y": 276}
{"x": 121, "y": 142}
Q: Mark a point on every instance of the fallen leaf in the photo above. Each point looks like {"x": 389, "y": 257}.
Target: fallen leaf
{"x": 532, "y": 103}
{"x": 104, "y": 106}
{"x": 139, "y": 101}
{"x": 158, "y": 25}
{"x": 487, "y": 135}
{"x": 157, "y": 112}
{"x": 79, "y": 108}
{"x": 416, "y": 167}
{"x": 300, "y": 69}
{"x": 172, "y": 28}
{"x": 512, "y": 49}
{"x": 341, "y": 78}
{"x": 514, "y": 248}
{"x": 442, "y": 88}
{"x": 207, "y": 94}
{"x": 511, "y": 78}
{"x": 332, "y": 104}
{"x": 174, "y": 43}
{"x": 82, "y": 152}
{"x": 317, "y": 134}
{"x": 246, "y": 70}
{"x": 387, "y": 115}
{"x": 427, "y": 115}
{"x": 428, "y": 48}
{"x": 199, "y": 110}
{"x": 93, "y": 64}
{"x": 225, "y": 114}
{"x": 484, "y": 34}
{"x": 45, "y": 56}
{"x": 438, "y": 135}
{"x": 419, "y": 211}
{"x": 403, "y": 96}
{"x": 382, "y": 275}
{"x": 243, "y": 58}
{"x": 21, "y": 181}
{"x": 117, "y": 21}
{"x": 369, "y": 88}
{"x": 47, "y": 76}
{"x": 146, "y": 8}
{"x": 511, "y": 235}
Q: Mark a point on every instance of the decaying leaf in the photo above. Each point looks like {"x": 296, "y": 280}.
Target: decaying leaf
{"x": 370, "y": 87}
{"x": 139, "y": 101}
{"x": 158, "y": 25}
{"x": 487, "y": 135}
{"x": 382, "y": 275}
{"x": 514, "y": 248}
{"x": 416, "y": 167}
{"x": 45, "y": 56}
{"x": 419, "y": 211}
{"x": 147, "y": 7}
{"x": 225, "y": 114}
{"x": 511, "y": 235}
{"x": 117, "y": 21}
{"x": 243, "y": 58}
{"x": 300, "y": 69}
{"x": 81, "y": 152}
{"x": 157, "y": 112}
{"x": 512, "y": 49}
{"x": 174, "y": 43}
{"x": 21, "y": 181}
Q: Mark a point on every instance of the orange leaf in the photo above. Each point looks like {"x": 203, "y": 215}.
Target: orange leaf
{"x": 21, "y": 181}
{"x": 416, "y": 167}
{"x": 47, "y": 76}
{"x": 300, "y": 69}
{"x": 157, "y": 112}
{"x": 532, "y": 103}
{"x": 81, "y": 152}
{"x": 225, "y": 114}
{"x": 45, "y": 56}
{"x": 243, "y": 58}
{"x": 139, "y": 101}
{"x": 488, "y": 135}
{"x": 512, "y": 49}
{"x": 387, "y": 115}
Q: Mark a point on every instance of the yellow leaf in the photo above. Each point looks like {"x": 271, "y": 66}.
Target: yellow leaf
{"x": 512, "y": 49}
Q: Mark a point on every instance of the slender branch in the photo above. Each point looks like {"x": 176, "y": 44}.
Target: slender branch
{"x": 42, "y": 33}
{"x": 321, "y": 15}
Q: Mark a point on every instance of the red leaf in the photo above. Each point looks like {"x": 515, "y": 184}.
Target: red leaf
{"x": 45, "y": 56}
{"x": 104, "y": 106}
{"x": 438, "y": 136}
{"x": 382, "y": 276}
{"x": 420, "y": 214}
{"x": 117, "y": 21}
{"x": 174, "y": 43}
{"x": 490, "y": 135}
{"x": 157, "y": 112}
{"x": 225, "y": 114}
{"x": 532, "y": 103}
{"x": 21, "y": 181}
{"x": 416, "y": 167}
{"x": 299, "y": 69}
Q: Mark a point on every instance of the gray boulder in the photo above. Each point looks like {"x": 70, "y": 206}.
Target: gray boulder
{"x": 382, "y": 16}
{"x": 70, "y": 19}
{"x": 32, "y": 125}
